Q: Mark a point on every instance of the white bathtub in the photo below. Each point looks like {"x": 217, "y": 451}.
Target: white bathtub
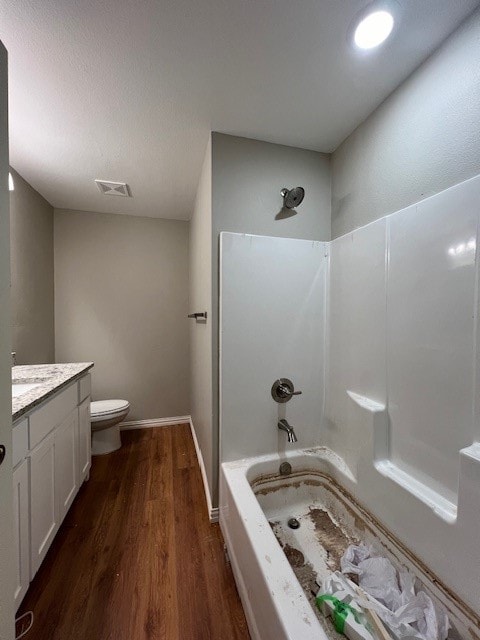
{"x": 275, "y": 604}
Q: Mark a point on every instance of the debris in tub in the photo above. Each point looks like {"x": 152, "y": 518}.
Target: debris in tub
{"x": 330, "y": 517}
{"x": 392, "y": 595}
{"x": 304, "y": 571}
{"x": 342, "y": 600}
{"x": 339, "y": 553}
{"x": 330, "y": 535}
{"x": 294, "y": 556}
{"x": 307, "y": 577}
{"x": 348, "y": 617}
{"x": 274, "y": 526}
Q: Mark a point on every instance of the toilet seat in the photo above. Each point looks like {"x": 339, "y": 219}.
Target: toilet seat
{"x": 104, "y": 409}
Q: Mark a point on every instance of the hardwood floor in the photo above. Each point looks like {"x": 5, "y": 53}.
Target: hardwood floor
{"x": 136, "y": 558}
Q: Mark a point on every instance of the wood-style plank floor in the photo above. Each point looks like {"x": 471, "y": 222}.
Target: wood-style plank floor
{"x": 136, "y": 557}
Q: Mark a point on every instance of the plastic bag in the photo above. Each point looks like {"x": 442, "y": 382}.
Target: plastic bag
{"x": 407, "y": 614}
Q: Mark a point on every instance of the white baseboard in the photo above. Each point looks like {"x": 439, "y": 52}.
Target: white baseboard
{"x": 153, "y": 422}
{"x": 212, "y": 511}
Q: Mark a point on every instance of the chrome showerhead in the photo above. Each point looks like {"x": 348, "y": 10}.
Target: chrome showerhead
{"x": 293, "y": 197}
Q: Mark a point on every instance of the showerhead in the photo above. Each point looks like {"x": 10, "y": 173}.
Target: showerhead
{"x": 293, "y": 197}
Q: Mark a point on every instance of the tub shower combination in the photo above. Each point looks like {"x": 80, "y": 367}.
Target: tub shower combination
{"x": 379, "y": 329}
{"x": 276, "y": 567}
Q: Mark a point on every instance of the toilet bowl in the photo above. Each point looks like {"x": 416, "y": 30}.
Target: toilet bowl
{"x": 105, "y": 417}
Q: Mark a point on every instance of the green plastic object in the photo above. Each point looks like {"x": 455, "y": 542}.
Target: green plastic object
{"x": 340, "y": 611}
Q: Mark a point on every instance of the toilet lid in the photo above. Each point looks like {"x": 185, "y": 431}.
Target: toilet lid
{"x": 102, "y": 407}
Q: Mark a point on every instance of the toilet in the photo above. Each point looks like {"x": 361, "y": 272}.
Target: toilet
{"x": 105, "y": 417}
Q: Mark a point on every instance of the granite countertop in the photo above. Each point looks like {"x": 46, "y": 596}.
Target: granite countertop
{"x": 50, "y": 378}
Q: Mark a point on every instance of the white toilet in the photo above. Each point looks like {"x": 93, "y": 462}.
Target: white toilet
{"x": 105, "y": 416}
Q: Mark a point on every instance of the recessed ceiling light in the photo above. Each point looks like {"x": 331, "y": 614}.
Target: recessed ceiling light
{"x": 373, "y": 29}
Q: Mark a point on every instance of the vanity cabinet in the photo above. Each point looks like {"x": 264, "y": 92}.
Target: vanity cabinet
{"x": 84, "y": 440}
{"x": 52, "y": 451}
{"x": 21, "y": 523}
{"x": 66, "y": 463}
{"x": 44, "y": 510}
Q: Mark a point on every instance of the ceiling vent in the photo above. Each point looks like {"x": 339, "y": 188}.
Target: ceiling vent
{"x": 113, "y": 188}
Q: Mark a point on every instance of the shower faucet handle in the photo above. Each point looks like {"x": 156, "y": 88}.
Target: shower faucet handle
{"x": 283, "y": 390}
{"x": 286, "y": 392}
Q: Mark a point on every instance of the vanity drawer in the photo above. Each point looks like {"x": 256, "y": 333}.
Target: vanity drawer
{"x": 84, "y": 388}
{"x": 51, "y": 414}
{"x": 19, "y": 442}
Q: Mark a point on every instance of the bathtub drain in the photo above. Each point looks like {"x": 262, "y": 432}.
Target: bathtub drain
{"x": 293, "y": 523}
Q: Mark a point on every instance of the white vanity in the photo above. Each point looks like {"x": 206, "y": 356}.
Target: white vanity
{"x": 51, "y": 456}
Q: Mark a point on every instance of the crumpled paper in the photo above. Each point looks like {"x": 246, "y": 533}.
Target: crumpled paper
{"x": 407, "y": 614}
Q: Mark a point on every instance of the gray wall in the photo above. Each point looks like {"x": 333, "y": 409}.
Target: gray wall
{"x": 121, "y": 300}
{"x": 247, "y": 176}
{"x": 200, "y": 299}
{"x": 32, "y": 297}
{"x": 421, "y": 140}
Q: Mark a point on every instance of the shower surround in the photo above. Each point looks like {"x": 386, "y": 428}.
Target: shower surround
{"x": 379, "y": 329}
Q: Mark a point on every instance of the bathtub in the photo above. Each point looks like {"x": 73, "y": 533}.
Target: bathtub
{"x": 255, "y": 504}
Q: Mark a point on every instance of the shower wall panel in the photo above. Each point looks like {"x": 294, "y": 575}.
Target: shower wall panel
{"x": 431, "y": 334}
{"x": 402, "y": 332}
{"x": 272, "y": 294}
{"x": 357, "y": 340}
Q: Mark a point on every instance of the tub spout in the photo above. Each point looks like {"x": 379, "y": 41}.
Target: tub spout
{"x": 284, "y": 426}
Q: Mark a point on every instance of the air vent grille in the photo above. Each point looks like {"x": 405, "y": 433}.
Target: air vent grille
{"x": 109, "y": 188}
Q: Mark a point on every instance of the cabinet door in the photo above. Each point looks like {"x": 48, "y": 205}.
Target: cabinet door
{"x": 21, "y": 530}
{"x": 66, "y": 463}
{"x": 43, "y": 505}
{"x": 84, "y": 440}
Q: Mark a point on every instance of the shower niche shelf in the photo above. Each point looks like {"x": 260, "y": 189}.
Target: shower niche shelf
{"x": 379, "y": 451}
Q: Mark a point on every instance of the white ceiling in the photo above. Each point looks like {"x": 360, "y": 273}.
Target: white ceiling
{"x": 128, "y": 90}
